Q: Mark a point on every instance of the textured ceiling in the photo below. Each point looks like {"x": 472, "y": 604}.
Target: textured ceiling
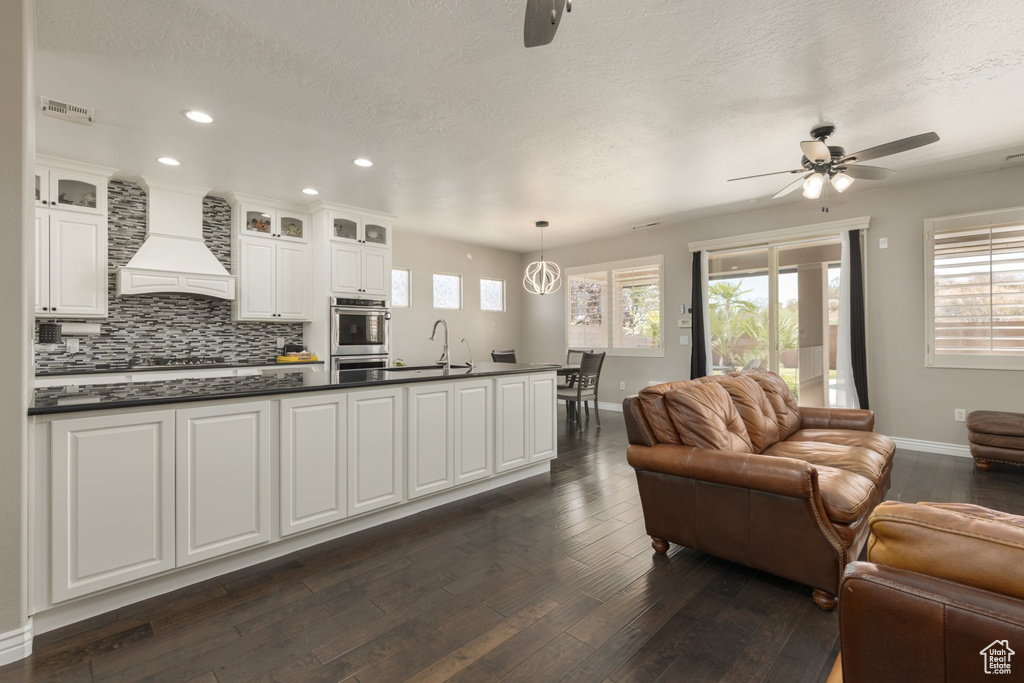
{"x": 638, "y": 111}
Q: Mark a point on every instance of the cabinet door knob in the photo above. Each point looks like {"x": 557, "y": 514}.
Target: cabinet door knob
{"x": 53, "y": 203}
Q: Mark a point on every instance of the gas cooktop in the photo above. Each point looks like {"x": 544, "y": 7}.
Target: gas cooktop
{"x": 182, "y": 360}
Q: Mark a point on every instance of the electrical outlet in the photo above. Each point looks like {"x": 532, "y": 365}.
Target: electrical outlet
{"x": 280, "y": 343}
{"x": 960, "y": 414}
{"x": 683, "y": 340}
{"x": 622, "y": 386}
{"x": 71, "y": 345}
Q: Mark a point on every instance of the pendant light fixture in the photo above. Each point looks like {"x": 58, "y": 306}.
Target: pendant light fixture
{"x": 542, "y": 277}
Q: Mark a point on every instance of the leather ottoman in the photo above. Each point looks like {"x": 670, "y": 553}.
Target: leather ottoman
{"x": 996, "y": 437}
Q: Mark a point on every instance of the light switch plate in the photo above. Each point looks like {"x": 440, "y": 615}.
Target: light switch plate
{"x": 883, "y": 242}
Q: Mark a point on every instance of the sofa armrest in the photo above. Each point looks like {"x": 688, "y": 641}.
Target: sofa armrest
{"x": 898, "y": 625}
{"x": 836, "y": 418}
{"x": 771, "y": 474}
{"x": 967, "y": 544}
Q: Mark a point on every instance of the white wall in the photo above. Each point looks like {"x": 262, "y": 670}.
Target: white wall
{"x": 485, "y": 330}
{"x": 17, "y": 150}
{"x": 910, "y": 400}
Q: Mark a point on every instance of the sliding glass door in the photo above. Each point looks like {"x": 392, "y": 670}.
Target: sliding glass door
{"x": 776, "y": 307}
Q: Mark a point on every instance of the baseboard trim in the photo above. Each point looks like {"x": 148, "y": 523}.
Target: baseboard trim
{"x": 932, "y": 447}
{"x": 617, "y": 407}
{"x": 16, "y": 644}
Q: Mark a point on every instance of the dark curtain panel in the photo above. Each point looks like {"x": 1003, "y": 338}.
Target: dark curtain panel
{"x": 699, "y": 354}
{"x": 858, "y": 339}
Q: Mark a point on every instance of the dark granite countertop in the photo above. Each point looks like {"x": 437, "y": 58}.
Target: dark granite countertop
{"x": 121, "y": 368}
{"x": 52, "y": 400}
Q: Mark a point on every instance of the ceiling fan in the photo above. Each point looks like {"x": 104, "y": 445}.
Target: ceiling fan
{"x": 542, "y": 19}
{"x": 823, "y": 163}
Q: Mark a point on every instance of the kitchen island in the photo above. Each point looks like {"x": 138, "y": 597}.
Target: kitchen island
{"x": 142, "y": 488}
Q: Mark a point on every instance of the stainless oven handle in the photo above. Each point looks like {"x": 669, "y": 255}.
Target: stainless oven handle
{"x": 356, "y": 309}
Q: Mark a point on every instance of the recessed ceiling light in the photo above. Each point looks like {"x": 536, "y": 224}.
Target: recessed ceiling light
{"x": 362, "y": 162}
{"x": 169, "y": 161}
{"x": 199, "y": 117}
{"x": 310, "y": 190}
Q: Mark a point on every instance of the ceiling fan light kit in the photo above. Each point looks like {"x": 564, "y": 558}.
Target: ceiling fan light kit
{"x": 542, "y": 277}
{"x": 821, "y": 162}
{"x": 542, "y": 19}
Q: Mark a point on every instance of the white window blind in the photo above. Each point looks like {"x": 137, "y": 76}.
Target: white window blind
{"x": 617, "y": 307}
{"x": 637, "y": 307}
{"x": 978, "y": 291}
{"x": 588, "y": 314}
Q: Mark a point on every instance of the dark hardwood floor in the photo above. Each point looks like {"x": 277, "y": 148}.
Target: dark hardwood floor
{"x": 549, "y": 579}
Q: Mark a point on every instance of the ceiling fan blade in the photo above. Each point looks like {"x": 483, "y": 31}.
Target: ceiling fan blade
{"x": 762, "y": 175}
{"x": 894, "y": 147}
{"x": 868, "y": 172}
{"x": 815, "y": 150}
{"x": 538, "y": 29}
{"x": 792, "y": 186}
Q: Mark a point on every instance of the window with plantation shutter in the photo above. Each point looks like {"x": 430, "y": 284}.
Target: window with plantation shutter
{"x": 976, "y": 287}
{"x": 616, "y": 307}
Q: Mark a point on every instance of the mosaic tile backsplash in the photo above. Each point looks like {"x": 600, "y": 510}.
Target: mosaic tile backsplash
{"x": 169, "y": 325}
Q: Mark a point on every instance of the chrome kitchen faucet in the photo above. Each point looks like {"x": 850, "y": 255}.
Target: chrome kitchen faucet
{"x": 443, "y": 360}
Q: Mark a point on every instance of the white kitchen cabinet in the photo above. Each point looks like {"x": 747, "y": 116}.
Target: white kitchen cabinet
{"x": 273, "y": 280}
{"x": 511, "y": 422}
{"x": 266, "y": 221}
{"x": 42, "y": 299}
{"x": 111, "y": 501}
{"x": 223, "y": 479}
{"x": 71, "y": 260}
{"x": 543, "y": 427}
{"x": 355, "y": 229}
{"x": 474, "y": 430}
{"x": 256, "y": 286}
{"x": 431, "y": 451}
{"x": 357, "y": 269}
{"x": 67, "y": 190}
{"x": 314, "y": 462}
{"x": 292, "y": 276}
{"x": 375, "y": 449}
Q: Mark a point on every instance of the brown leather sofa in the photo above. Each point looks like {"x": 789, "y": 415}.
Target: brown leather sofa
{"x": 941, "y": 597}
{"x": 731, "y": 466}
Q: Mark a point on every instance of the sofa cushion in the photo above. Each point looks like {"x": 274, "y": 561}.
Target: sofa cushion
{"x": 863, "y": 461}
{"x": 997, "y": 440}
{"x": 756, "y": 412}
{"x": 996, "y": 422}
{"x": 704, "y": 416}
{"x": 879, "y": 443}
{"x": 787, "y": 413}
{"x": 652, "y": 399}
{"x": 847, "y": 496}
{"x": 958, "y": 542}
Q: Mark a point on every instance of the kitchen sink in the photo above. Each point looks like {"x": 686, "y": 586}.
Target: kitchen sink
{"x": 427, "y": 369}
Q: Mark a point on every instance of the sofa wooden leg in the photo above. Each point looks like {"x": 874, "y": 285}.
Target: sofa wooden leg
{"x": 983, "y": 465}
{"x": 825, "y": 601}
{"x": 660, "y": 546}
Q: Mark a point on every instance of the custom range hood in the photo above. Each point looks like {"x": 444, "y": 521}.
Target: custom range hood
{"x": 174, "y": 259}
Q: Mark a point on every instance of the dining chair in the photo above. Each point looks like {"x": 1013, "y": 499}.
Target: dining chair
{"x": 573, "y": 357}
{"x": 504, "y": 356}
{"x": 585, "y": 389}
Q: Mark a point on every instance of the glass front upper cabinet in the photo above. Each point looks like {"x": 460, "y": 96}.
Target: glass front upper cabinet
{"x": 292, "y": 227}
{"x": 345, "y": 229}
{"x": 259, "y": 222}
{"x": 70, "y": 191}
{"x": 375, "y": 233}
